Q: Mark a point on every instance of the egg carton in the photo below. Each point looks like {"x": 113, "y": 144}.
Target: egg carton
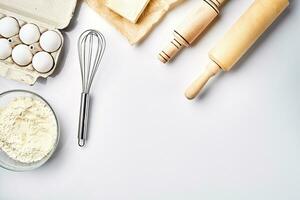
{"x": 47, "y": 15}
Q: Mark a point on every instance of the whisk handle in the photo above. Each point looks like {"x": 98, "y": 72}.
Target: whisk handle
{"x": 83, "y": 118}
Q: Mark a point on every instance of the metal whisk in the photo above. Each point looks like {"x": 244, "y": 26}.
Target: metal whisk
{"x": 91, "y": 47}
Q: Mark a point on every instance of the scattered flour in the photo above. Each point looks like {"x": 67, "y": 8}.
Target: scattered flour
{"x": 28, "y": 129}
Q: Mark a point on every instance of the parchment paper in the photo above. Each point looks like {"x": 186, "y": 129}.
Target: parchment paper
{"x": 135, "y": 33}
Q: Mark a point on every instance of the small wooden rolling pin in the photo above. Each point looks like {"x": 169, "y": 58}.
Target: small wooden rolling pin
{"x": 191, "y": 27}
{"x": 238, "y": 40}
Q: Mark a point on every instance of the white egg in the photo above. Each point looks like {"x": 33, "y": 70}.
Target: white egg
{"x": 50, "y": 41}
{"x": 21, "y": 55}
{"x": 29, "y": 34}
{"x": 5, "y": 49}
{"x": 9, "y": 27}
{"x": 42, "y": 62}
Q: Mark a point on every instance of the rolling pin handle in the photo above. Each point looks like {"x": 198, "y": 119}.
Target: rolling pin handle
{"x": 194, "y": 89}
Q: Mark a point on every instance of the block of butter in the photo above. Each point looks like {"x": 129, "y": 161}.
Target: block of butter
{"x": 130, "y": 10}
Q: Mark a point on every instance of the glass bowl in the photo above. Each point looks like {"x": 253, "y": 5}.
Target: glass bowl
{"x": 14, "y": 165}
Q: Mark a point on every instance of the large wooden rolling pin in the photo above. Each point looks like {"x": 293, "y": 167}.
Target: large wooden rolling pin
{"x": 191, "y": 28}
{"x": 238, "y": 40}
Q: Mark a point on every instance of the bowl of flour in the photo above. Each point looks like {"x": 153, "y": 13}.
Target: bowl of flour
{"x": 29, "y": 131}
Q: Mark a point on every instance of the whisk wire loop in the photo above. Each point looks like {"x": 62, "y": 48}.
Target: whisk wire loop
{"x": 91, "y": 47}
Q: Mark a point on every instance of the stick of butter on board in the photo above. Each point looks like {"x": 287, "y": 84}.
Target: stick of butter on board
{"x": 130, "y": 10}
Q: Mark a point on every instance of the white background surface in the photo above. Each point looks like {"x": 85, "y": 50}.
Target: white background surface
{"x": 239, "y": 140}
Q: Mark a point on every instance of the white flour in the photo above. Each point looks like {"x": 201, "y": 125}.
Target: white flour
{"x": 28, "y": 129}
